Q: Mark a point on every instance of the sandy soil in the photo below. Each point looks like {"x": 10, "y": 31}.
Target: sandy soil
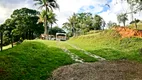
{"x": 103, "y": 70}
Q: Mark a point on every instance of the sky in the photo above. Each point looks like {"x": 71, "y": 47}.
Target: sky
{"x": 68, "y": 7}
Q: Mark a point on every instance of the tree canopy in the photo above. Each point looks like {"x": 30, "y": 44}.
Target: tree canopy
{"x": 22, "y": 24}
{"x": 80, "y": 23}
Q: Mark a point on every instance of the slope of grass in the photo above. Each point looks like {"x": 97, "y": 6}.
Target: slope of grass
{"x": 79, "y": 53}
{"x": 109, "y": 45}
{"x": 31, "y": 60}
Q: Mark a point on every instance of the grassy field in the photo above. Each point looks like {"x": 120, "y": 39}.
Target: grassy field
{"x": 109, "y": 45}
{"x": 32, "y": 60}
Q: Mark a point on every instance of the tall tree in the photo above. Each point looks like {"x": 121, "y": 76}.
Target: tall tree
{"x": 1, "y": 35}
{"x": 10, "y": 23}
{"x": 98, "y": 20}
{"x": 48, "y": 5}
{"x": 51, "y": 17}
{"x": 135, "y": 5}
{"x": 73, "y": 21}
{"x": 25, "y": 22}
{"x": 122, "y": 18}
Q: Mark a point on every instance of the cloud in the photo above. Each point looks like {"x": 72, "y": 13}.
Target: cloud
{"x": 117, "y": 7}
{"x": 8, "y": 6}
{"x": 68, "y": 7}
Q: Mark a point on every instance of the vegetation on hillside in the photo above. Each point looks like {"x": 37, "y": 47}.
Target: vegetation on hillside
{"x": 108, "y": 44}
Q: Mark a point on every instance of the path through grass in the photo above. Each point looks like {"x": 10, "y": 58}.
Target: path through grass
{"x": 85, "y": 57}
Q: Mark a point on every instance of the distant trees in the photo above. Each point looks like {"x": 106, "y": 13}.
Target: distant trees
{"x": 111, "y": 24}
{"x": 122, "y": 18}
{"x": 135, "y": 6}
{"x": 55, "y": 30}
{"x": 98, "y": 20}
{"x": 81, "y": 23}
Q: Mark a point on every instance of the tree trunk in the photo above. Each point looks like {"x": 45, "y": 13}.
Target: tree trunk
{"x": 32, "y": 33}
{"x": 51, "y": 28}
{"x": 12, "y": 40}
{"x": 30, "y": 36}
{"x": 124, "y": 24}
{"x": 135, "y": 24}
{"x": 26, "y": 35}
{"x": 45, "y": 25}
{"x": 1, "y": 40}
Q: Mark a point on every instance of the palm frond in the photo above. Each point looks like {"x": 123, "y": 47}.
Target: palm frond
{"x": 40, "y": 7}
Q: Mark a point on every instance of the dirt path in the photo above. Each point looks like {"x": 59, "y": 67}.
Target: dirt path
{"x": 72, "y": 55}
{"x": 87, "y": 53}
{"x": 103, "y": 70}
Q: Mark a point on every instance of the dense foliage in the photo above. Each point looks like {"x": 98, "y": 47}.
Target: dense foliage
{"x": 22, "y": 25}
{"x": 81, "y": 23}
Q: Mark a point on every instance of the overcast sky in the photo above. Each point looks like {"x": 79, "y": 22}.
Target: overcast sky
{"x": 68, "y": 7}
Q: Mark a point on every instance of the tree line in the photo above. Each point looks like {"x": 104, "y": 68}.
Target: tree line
{"x": 81, "y": 23}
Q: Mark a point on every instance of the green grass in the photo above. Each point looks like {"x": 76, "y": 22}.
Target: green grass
{"x": 109, "y": 45}
{"x": 79, "y": 53}
{"x": 32, "y": 60}
{"x": 35, "y": 60}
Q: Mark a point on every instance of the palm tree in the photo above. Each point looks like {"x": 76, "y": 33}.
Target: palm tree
{"x": 48, "y": 5}
{"x": 67, "y": 26}
{"x": 122, "y": 18}
{"x": 50, "y": 17}
{"x": 73, "y": 20}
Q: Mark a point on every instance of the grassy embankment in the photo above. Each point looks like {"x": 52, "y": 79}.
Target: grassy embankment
{"x": 110, "y": 45}
{"x": 32, "y": 60}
